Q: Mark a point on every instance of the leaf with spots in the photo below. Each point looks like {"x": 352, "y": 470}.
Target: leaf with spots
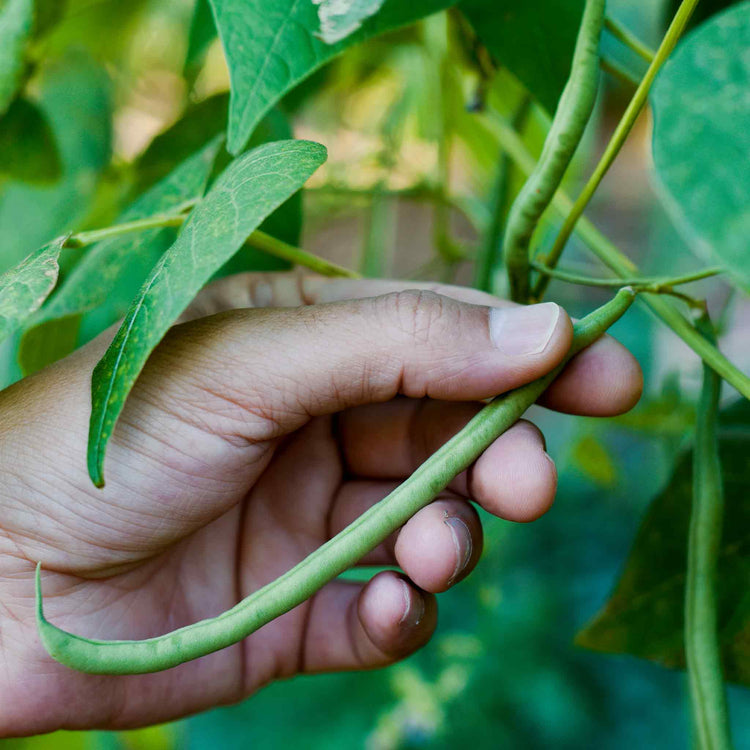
{"x": 24, "y": 288}
{"x": 250, "y": 189}
{"x": 271, "y": 47}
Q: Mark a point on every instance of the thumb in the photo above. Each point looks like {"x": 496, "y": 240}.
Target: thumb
{"x": 276, "y": 368}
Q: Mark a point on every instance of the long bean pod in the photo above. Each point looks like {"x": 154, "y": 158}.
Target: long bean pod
{"x": 336, "y": 555}
{"x": 707, "y": 695}
{"x": 572, "y": 115}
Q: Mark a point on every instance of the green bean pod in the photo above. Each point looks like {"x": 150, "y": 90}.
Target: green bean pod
{"x": 572, "y": 115}
{"x": 702, "y": 651}
{"x": 336, "y": 555}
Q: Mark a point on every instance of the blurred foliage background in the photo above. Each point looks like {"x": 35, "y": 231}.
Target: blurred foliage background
{"x": 123, "y": 91}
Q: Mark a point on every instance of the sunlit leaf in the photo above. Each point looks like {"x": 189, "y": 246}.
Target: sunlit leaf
{"x": 701, "y": 141}
{"x": 25, "y": 287}
{"x": 16, "y": 22}
{"x": 644, "y": 616}
{"x": 271, "y": 47}
{"x": 533, "y": 39}
{"x": 251, "y": 188}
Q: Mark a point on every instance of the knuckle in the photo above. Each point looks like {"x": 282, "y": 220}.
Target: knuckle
{"x": 416, "y": 313}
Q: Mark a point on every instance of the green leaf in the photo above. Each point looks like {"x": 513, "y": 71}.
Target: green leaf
{"x": 644, "y": 615}
{"x": 16, "y": 22}
{"x": 202, "y": 34}
{"x": 271, "y": 47}
{"x": 701, "y": 140}
{"x": 340, "y": 18}
{"x": 28, "y": 152}
{"x": 251, "y": 188}
{"x": 194, "y": 128}
{"x": 74, "y": 98}
{"x": 25, "y": 287}
{"x": 111, "y": 272}
{"x": 534, "y": 39}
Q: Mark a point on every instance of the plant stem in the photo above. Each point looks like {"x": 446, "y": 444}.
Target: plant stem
{"x": 257, "y": 239}
{"x": 702, "y": 650}
{"x": 617, "y": 261}
{"x": 629, "y": 39}
{"x": 82, "y": 239}
{"x": 618, "y": 137}
{"x": 296, "y": 255}
{"x": 654, "y": 284}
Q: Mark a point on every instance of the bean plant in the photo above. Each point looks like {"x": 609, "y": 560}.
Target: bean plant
{"x": 524, "y": 88}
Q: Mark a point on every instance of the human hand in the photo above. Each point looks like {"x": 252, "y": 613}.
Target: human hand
{"x": 251, "y": 437}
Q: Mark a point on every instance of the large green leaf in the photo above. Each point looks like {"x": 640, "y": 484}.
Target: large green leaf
{"x": 534, "y": 39}
{"x": 111, "y": 272}
{"x": 701, "y": 139}
{"x": 16, "y": 22}
{"x": 645, "y": 615}
{"x": 271, "y": 47}
{"x": 25, "y": 287}
{"x": 28, "y": 152}
{"x": 250, "y": 189}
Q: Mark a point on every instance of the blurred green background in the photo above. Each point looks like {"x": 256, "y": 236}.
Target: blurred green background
{"x": 502, "y": 670}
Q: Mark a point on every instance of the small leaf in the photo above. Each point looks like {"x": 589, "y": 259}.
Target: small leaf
{"x": 271, "y": 47}
{"x": 28, "y": 152}
{"x": 251, "y": 188}
{"x": 701, "y": 141}
{"x": 111, "y": 272}
{"x": 534, "y": 39}
{"x": 645, "y": 614}
{"x": 25, "y": 287}
{"x": 16, "y": 22}
{"x": 340, "y": 18}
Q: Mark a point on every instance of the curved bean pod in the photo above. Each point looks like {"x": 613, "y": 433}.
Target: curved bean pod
{"x": 572, "y": 115}
{"x": 336, "y": 555}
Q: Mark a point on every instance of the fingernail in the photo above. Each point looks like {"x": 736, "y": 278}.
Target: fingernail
{"x": 462, "y": 542}
{"x": 413, "y": 610}
{"x": 523, "y": 330}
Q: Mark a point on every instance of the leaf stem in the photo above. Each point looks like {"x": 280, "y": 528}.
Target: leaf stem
{"x": 629, "y": 39}
{"x": 651, "y": 284}
{"x": 83, "y": 239}
{"x": 257, "y": 239}
{"x": 707, "y": 694}
{"x": 296, "y": 255}
{"x": 604, "y": 249}
{"x": 679, "y": 22}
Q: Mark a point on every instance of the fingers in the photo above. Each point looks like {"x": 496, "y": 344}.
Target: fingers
{"x": 604, "y": 380}
{"x": 514, "y": 478}
{"x": 351, "y": 626}
{"x": 280, "y": 367}
{"x": 438, "y": 547}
